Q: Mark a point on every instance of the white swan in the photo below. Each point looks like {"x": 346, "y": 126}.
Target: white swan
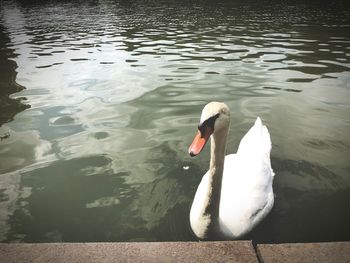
{"x": 236, "y": 192}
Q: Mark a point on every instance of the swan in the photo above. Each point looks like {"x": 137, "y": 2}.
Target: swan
{"x": 236, "y": 193}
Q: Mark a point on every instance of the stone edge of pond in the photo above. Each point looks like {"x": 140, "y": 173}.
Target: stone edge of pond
{"x": 329, "y": 252}
{"x": 213, "y": 251}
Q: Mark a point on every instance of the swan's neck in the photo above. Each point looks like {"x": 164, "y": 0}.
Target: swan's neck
{"x": 216, "y": 169}
{"x": 215, "y": 173}
{"x": 217, "y": 153}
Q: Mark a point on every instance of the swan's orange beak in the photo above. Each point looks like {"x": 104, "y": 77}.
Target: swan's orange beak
{"x": 199, "y": 141}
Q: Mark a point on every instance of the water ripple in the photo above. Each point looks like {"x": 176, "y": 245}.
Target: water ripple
{"x": 116, "y": 87}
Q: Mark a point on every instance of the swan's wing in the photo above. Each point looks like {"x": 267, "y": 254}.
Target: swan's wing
{"x": 256, "y": 143}
{"x": 246, "y": 195}
{"x": 257, "y": 138}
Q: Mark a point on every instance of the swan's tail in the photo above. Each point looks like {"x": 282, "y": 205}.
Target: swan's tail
{"x": 256, "y": 142}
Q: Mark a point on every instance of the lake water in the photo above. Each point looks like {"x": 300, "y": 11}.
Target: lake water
{"x": 101, "y": 99}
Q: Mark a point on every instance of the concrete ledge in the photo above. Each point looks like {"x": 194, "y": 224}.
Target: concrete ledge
{"x": 221, "y": 251}
{"x": 230, "y": 251}
{"x": 337, "y": 252}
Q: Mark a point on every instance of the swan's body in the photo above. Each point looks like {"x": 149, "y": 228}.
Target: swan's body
{"x": 236, "y": 192}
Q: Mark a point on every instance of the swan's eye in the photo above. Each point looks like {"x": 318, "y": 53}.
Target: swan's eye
{"x": 208, "y": 123}
{"x": 202, "y": 128}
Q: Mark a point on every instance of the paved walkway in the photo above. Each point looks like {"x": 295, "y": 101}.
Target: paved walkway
{"x": 222, "y": 251}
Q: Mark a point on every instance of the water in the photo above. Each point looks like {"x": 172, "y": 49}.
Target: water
{"x": 106, "y": 97}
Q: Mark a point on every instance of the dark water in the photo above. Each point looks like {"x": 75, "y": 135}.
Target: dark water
{"x": 100, "y": 100}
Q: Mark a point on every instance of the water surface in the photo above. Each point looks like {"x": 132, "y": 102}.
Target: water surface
{"x": 101, "y": 99}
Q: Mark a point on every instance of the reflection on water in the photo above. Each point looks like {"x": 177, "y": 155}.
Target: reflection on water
{"x": 115, "y": 91}
{"x": 9, "y": 107}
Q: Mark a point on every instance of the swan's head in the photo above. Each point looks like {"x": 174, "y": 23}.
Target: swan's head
{"x": 214, "y": 119}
